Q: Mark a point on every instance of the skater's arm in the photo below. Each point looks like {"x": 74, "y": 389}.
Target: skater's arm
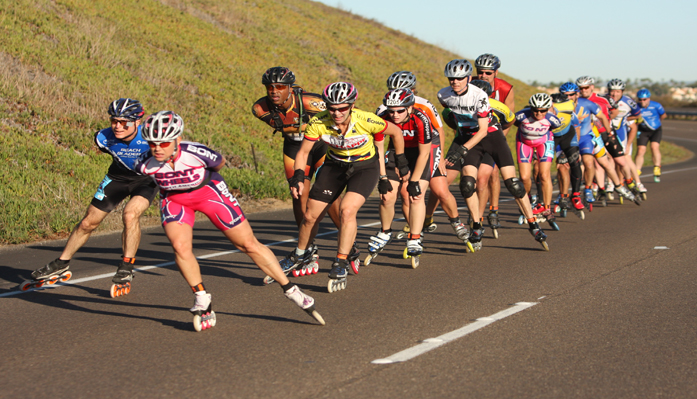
{"x": 300, "y": 164}
{"x": 220, "y": 166}
{"x": 481, "y": 133}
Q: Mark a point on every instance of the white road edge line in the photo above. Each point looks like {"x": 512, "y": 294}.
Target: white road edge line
{"x": 433, "y": 343}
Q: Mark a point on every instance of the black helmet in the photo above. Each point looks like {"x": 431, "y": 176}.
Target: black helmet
{"x": 487, "y": 61}
{"x": 280, "y": 75}
{"x": 559, "y": 98}
{"x": 484, "y": 85}
{"x": 126, "y": 108}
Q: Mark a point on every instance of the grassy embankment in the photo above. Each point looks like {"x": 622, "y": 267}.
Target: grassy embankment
{"x": 63, "y": 61}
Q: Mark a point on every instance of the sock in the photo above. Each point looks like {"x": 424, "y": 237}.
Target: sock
{"x": 388, "y": 231}
{"x": 199, "y": 289}
{"x": 287, "y": 287}
{"x": 129, "y": 260}
{"x": 454, "y": 220}
{"x": 299, "y": 252}
{"x": 476, "y": 225}
{"x": 414, "y": 236}
{"x": 341, "y": 256}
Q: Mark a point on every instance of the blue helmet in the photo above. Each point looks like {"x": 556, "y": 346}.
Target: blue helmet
{"x": 568, "y": 86}
{"x": 643, "y": 93}
{"x": 126, "y": 108}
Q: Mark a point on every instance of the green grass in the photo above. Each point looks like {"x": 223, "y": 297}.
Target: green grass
{"x": 63, "y": 61}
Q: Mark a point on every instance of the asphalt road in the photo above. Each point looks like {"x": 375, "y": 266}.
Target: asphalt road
{"x": 610, "y": 311}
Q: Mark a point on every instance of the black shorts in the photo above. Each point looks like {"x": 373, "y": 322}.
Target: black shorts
{"x": 114, "y": 189}
{"x": 613, "y": 145}
{"x": 655, "y": 136}
{"x": 314, "y": 159}
{"x": 412, "y": 155}
{"x": 335, "y": 176}
{"x": 494, "y": 144}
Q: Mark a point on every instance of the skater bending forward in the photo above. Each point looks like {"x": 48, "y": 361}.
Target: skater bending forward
{"x": 187, "y": 174}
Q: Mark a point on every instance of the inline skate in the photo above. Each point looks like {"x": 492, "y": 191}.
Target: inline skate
{"x": 624, "y": 192}
{"x": 462, "y": 234}
{"x": 293, "y": 262}
{"x": 306, "y": 302}
{"x": 338, "y": 275}
{"x": 122, "y": 280}
{"x": 204, "y": 316}
{"x": 656, "y": 174}
{"x": 494, "y": 223}
{"x": 413, "y": 251}
{"x": 53, "y": 272}
{"x": 539, "y": 235}
{"x": 354, "y": 259}
{"x": 376, "y": 244}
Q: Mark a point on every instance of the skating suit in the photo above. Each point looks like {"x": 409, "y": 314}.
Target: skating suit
{"x": 193, "y": 185}
{"x": 535, "y": 137}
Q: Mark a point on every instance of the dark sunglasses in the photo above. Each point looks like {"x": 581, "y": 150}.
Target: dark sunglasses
{"x": 487, "y": 73}
{"x": 276, "y": 87}
{"x": 396, "y": 111}
{"x": 122, "y": 123}
{"x": 456, "y": 79}
{"x": 340, "y": 109}
{"x": 540, "y": 111}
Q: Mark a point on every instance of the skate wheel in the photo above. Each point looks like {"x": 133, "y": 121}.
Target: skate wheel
{"x": 114, "y": 291}
{"x": 581, "y": 215}
{"x": 544, "y": 245}
{"x": 25, "y": 286}
{"x": 643, "y": 196}
{"x": 621, "y": 201}
{"x": 470, "y": 248}
{"x": 563, "y": 213}
{"x": 401, "y": 235}
{"x": 52, "y": 280}
{"x": 414, "y": 262}
{"x": 496, "y": 233}
{"x": 355, "y": 265}
{"x": 432, "y": 227}
{"x": 295, "y": 273}
{"x": 404, "y": 254}
{"x": 315, "y": 268}
{"x": 521, "y": 219}
{"x": 212, "y": 321}
{"x": 554, "y": 226}
{"x": 65, "y": 276}
{"x": 197, "y": 323}
{"x": 318, "y": 317}
{"x": 368, "y": 259}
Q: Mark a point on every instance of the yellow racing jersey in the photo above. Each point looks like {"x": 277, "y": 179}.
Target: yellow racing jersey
{"x": 501, "y": 112}
{"x": 565, "y": 112}
{"x": 357, "y": 144}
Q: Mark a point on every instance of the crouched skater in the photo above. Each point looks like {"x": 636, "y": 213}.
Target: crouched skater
{"x": 187, "y": 174}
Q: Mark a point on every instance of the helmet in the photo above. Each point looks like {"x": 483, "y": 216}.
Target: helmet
{"x": 487, "y": 61}
{"x": 568, "y": 86}
{"x": 458, "y": 69}
{"x": 401, "y": 80}
{"x": 484, "y": 85}
{"x": 643, "y": 93}
{"x": 163, "y": 126}
{"x": 399, "y": 98}
{"x": 616, "y": 84}
{"x": 339, "y": 93}
{"x": 585, "y": 81}
{"x": 126, "y": 108}
{"x": 280, "y": 75}
{"x": 559, "y": 98}
{"x": 540, "y": 100}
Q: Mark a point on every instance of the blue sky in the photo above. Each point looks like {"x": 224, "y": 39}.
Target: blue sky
{"x": 554, "y": 40}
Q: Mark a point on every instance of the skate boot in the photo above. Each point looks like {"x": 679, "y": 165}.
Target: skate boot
{"x": 429, "y": 225}
{"x": 413, "y": 251}
{"x": 624, "y": 192}
{"x": 310, "y": 263}
{"x": 306, "y": 302}
{"x": 475, "y": 239}
{"x": 577, "y": 205}
{"x": 122, "y": 279}
{"x": 204, "y": 317}
{"x": 594, "y": 189}
{"x": 338, "y": 275}
{"x": 538, "y": 211}
{"x": 589, "y": 198}
{"x": 292, "y": 262}
{"x": 549, "y": 217}
{"x": 376, "y": 244}
{"x": 494, "y": 222}
{"x": 53, "y": 272}
{"x": 609, "y": 190}
{"x": 539, "y": 235}
{"x": 601, "y": 198}
{"x": 354, "y": 259}
{"x": 656, "y": 174}
{"x": 564, "y": 206}
{"x": 462, "y": 233}
{"x": 405, "y": 231}
{"x": 642, "y": 191}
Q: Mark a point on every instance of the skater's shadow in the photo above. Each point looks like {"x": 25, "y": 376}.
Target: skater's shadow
{"x": 266, "y": 317}
{"x": 533, "y": 249}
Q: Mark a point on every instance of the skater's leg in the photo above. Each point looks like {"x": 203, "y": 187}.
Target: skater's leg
{"x": 639, "y": 157}
{"x": 563, "y": 177}
{"x": 131, "y": 224}
{"x": 181, "y": 235}
{"x": 417, "y": 209}
{"x": 604, "y": 161}
{"x": 434, "y": 200}
{"x": 81, "y": 233}
{"x": 656, "y": 153}
{"x": 545, "y": 176}
{"x": 484, "y": 174}
{"x": 589, "y": 172}
{"x": 387, "y": 206}
{"x": 350, "y": 205}
{"x": 308, "y": 229}
{"x": 440, "y": 190}
{"x": 516, "y": 187}
{"x": 494, "y": 188}
{"x": 468, "y": 189}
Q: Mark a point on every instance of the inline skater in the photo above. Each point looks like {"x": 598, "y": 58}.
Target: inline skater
{"x": 650, "y": 129}
{"x": 355, "y": 150}
{"x": 288, "y": 108}
{"x": 487, "y": 70}
{"x": 418, "y": 135}
{"x": 568, "y": 155}
{"x": 123, "y": 141}
{"x": 477, "y": 134}
{"x": 627, "y": 110}
{"x": 586, "y": 85}
{"x": 187, "y": 174}
{"x": 438, "y": 183}
{"x": 535, "y": 125}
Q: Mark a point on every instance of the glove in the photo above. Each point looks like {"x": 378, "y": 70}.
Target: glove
{"x": 384, "y": 186}
{"x": 402, "y": 164}
{"x": 298, "y": 177}
{"x": 455, "y": 156}
{"x": 414, "y": 189}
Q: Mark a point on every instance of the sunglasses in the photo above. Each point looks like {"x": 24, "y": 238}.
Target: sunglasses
{"x": 540, "y": 111}
{"x": 123, "y": 123}
{"x": 643, "y": 99}
{"x": 340, "y": 109}
{"x": 396, "y": 111}
{"x": 164, "y": 144}
{"x": 571, "y": 94}
{"x": 487, "y": 73}
{"x": 276, "y": 87}
{"x": 456, "y": 79}
{"x": 584, "y": 87}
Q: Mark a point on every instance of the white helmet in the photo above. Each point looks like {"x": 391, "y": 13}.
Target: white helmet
{"x": 458, "y": 69}
{"x": 163, "y": 126}
{"x": 585, "y": 81}
{"x": 540, "y": 100}
{"x": 401, "y": 80}
{"x": 616, "y": 84}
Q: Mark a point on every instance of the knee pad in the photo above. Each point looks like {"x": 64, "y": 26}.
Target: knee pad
{"x": 515, "y": 187}
{"x": 468, "y": 186}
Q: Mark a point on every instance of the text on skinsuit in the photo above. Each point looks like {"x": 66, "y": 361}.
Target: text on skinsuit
{"x": 222, "y": 187}
{"x": 202, "y": 152}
